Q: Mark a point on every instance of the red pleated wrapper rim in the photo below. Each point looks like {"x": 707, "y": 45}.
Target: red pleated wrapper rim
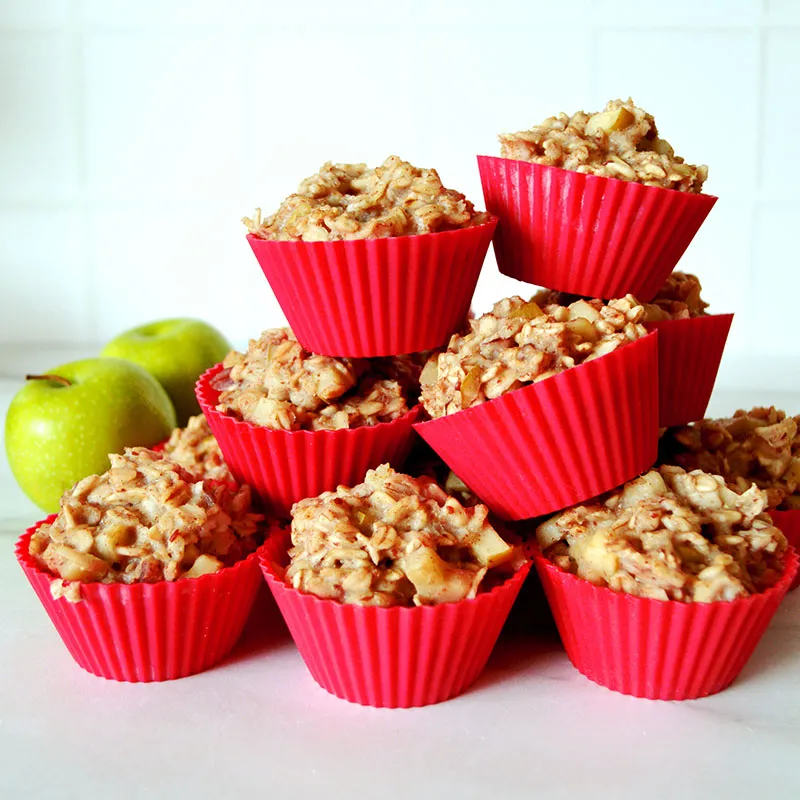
{"x": 147, "y": 632}
{"x": 689, "y": 355}
{"x": 789, "y": 523}
{"x": 586, "y": 234}
{"x": 558, "y": 442}
{"x": 283, "y": 467}
{"x": 376, "y": 297}
{"x": 661, "y": 650}
{"x": 391, "y": 657}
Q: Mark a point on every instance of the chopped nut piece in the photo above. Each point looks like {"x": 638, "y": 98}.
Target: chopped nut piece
{"x": 620, "y": 142}
{"x": 528, "y": 311}
{"x": 351, "y": 201}
{"x": 670, "y": 535}
{"x": 510, "y": 347}
{"x": 393, "y": 540}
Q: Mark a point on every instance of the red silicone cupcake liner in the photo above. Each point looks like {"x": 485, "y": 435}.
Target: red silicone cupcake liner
{"x": 585, "y": 234}
{"x": 391, "y": 657}
{"x": 149, "y": 631}
{"x": 689, "y": 354}
{"x": 789, "y": 523}
{"x": 375, "y": 297}
{"x": 558, "y": 442}
{"x": 283, "y": 467}
{"x": 662, "y": 650}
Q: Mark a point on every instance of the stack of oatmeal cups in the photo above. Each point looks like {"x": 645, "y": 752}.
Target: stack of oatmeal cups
{"x": 522, "y": 452}
{"x": 366, "y": 299}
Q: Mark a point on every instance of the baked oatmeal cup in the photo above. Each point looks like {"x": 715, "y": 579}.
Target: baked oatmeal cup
{"x": 372, "y": 262}
{"x": 690, "y": 346}
{"x": 663, "y": 588}
{"x": 393, "y": 591}
{"x": 147, "y": 572}
{"x": 595, "y": 204}
{"x": 537, "y": 408}
{"x": 760, "y": 446}
{"x": 292, "y": 424}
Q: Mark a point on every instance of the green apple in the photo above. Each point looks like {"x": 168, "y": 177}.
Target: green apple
{"x": 61, "y": 426}
{"x": 176, "y": 352}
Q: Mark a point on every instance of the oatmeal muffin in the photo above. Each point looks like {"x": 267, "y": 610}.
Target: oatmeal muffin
{"x": 678, "y": 298}
{"x": 280, "y": 385}
{"x": 146, "y": 520}
{"x": 619, "y": 142}
{"x": 393, "y": 540}
{"x": 760, "y": 446}
{"x": 670, "y": 535}
{"x": 196, "y": 450}
{"x": 353, "y": 201}
{"x": 520, "y": 342}
{"x": 394, "y": 592}
{"x": 663, "y": 587}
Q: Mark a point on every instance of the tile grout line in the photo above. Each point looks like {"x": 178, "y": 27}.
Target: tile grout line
{"x": 79, "y": 121}
{"x": 759, "y": 158}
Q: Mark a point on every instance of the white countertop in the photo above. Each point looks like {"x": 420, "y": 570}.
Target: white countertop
{"x": 531, "y": 726}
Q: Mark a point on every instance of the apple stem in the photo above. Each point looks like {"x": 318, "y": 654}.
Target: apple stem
{"x": 55, "y": 378}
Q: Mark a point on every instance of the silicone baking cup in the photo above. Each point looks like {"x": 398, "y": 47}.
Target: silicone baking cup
{"x": 375, "y": 297}
{"x": 558, "y": 442}
{"x": 789, "y": 523}
{"x": 689, "y": 354}
{"x": 283, "y": 467}
{"x": 391, "y": 657}
{"x": 586, "y": 234}
{"x": 661, "y": 650}
{"x": 146, "y": 632}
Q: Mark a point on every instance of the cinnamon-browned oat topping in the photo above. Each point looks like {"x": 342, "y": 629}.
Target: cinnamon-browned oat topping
{"x": 620, "y": 142}
{"x": 520, "y": 342}
{"x": 145, "y": 520}
{"x": 393, "y": 540}
{"x": 352, "y": 201}
{"x": 760, "y": 446}
{"x": 280, "y": 385}
{"x": 670, "y": 535}
{"x": 196, "y": 450}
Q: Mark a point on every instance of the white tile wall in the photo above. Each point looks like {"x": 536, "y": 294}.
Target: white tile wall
{"x": 44, "y": 276}
{"x": 134, "y": 136}
{"x": 161, "y": 118}
{"x": 39, "y": 155}
{"x": 781, "y": 120}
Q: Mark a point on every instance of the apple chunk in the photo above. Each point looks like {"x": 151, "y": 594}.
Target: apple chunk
{"x": 609, "y": 121}
{"x": 489, "y": 548}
